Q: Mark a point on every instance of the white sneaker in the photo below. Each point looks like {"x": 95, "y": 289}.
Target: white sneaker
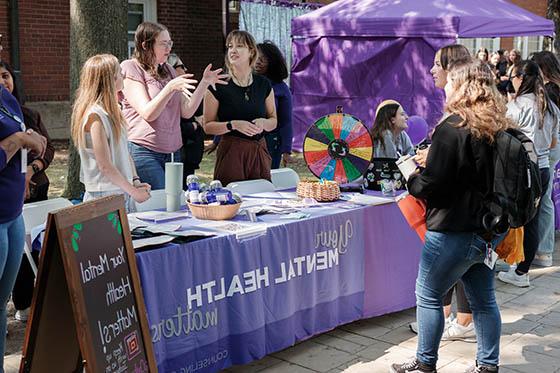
{"x": 543, "y": 260}
{"x": 22, "y": 315}
{"x": 414, "y": 325}
{"x": 501, "y": 266}
{"x": 458, "y": 332}
{"x": 511, "y": 277}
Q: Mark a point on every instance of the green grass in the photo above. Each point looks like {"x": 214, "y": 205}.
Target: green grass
{"x": 58, "y": 169}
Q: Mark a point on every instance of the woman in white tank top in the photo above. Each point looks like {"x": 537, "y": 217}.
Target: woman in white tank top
{"x": 99, "y": 134}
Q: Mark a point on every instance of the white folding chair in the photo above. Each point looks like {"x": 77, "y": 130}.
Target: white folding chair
{"x": 156, "y": 201}
{"x": 284, "y": 178}
{"x": 36, "y": 213}
{"x": 251, "y": 186}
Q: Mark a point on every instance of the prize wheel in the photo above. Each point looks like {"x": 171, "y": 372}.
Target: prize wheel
{"x": 338, "y": 147}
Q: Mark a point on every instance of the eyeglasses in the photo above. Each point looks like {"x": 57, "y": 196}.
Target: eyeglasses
{"x": 166, "y": 44}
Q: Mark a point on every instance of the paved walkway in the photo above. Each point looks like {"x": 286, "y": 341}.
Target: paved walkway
{"x": 530, "y": 338}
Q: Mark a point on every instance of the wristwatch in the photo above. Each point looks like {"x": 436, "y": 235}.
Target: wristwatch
{"x": 35, "y": 168}
{"x": 229, "y": 126}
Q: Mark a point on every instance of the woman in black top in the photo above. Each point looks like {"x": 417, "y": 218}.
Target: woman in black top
{"x": 241, "y": 111}
{"x": 459, "y": 170}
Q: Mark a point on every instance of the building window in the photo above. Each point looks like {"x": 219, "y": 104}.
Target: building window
{"x": 528, "y": 44}
{"x": 138, "y": 12}
{"x": 234, "y": 6}
{"x": 473, "y": 45}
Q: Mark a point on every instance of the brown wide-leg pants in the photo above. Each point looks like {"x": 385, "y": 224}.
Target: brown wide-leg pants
{"x": 239, "y": 159}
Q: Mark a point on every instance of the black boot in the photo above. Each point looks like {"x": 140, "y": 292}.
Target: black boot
{"x": 413, "y": 366}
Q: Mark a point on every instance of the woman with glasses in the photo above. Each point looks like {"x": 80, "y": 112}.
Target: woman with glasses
{"x": 155, "y": 100}
{"x": 242, "y": 112}
{"x": 537, "y": 117}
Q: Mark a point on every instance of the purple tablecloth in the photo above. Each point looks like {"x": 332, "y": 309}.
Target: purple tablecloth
{"x": 219, "y": 301}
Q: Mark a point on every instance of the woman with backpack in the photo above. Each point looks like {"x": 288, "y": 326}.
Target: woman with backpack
{"x": 537, "y": 117}
{"x": 456, "y": 177}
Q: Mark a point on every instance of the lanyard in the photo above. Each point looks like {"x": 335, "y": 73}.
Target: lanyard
{"x": 12, "y": 116}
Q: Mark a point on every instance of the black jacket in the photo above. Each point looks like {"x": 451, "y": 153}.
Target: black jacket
{"x": 459, "y": 173}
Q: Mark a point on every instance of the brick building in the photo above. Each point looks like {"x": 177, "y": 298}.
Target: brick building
{"x": 196, "y": 27}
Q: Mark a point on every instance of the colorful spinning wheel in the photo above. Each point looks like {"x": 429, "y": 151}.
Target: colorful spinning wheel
{"x": 338, "y": 147}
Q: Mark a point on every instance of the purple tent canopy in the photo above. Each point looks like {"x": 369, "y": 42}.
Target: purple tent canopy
{"x": 357, "y": 53}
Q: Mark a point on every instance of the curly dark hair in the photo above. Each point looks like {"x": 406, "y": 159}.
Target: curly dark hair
{"x": 16, "y": 92}
{"x": 277, "y": 69}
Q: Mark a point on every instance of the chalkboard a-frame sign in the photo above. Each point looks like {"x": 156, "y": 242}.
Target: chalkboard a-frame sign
{"x": 88, "y": 311}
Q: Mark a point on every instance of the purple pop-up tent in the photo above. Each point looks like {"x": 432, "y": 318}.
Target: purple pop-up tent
{"x": 356, "y": 53}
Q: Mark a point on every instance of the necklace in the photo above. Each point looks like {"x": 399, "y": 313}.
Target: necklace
{"x": 238, "y": 81}
{"x": 246, "y": 85}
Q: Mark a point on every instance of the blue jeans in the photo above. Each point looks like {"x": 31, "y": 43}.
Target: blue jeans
{"x": 12, "y": 238}
{"x": 531, "y": 238}
{"x": 547, "y": 214}
{"x": 150, "y": 165}
{"x": 446, "y": 258}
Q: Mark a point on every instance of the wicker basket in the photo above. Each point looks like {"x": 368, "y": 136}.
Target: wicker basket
{"x": 324, "y": 192}
{"x": 209, "y": 212}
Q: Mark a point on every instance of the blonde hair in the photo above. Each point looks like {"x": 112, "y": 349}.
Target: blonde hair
{"x": 476, "y": 100}
{"x": 243, "y": 37}
{"x": 97, "y": 87}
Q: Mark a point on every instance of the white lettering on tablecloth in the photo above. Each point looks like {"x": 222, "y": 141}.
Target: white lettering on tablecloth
{"x": 190, "y": 319}
{"x": 203, "y": 363}
{"x": 251, "y": 281}
{"x": 318, "y": 261}
{"x": 184, "y": 322}
{"x": 335, "y": 238}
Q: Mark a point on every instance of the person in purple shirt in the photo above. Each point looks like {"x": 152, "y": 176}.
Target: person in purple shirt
{"x": 271, "y": 63}
{"x": 14, "y": 142}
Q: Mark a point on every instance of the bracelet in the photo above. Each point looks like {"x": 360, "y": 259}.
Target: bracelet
{"x": 135, "y": 178}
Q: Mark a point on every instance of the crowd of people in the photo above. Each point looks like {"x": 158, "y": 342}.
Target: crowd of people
{"x": 130, "y": 118}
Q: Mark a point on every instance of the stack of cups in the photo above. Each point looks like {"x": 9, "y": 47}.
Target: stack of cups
{"x": 173, "y": 185}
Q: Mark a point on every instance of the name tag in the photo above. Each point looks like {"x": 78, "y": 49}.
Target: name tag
{"x": 490, "y": 257}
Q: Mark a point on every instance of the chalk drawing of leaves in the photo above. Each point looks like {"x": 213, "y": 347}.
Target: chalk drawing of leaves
{"x": 114, "y": 219}
{"x": 76, "y": 228}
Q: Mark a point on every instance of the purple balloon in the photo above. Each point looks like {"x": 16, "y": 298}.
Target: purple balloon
{"x": 417, "y": 129}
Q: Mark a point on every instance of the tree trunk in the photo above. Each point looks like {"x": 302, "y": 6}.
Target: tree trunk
{"x": 96, "y": 26}
{"x": 553, "y": 13}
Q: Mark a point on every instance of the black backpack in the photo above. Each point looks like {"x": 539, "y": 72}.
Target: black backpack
{"x": 517, "y": 188}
